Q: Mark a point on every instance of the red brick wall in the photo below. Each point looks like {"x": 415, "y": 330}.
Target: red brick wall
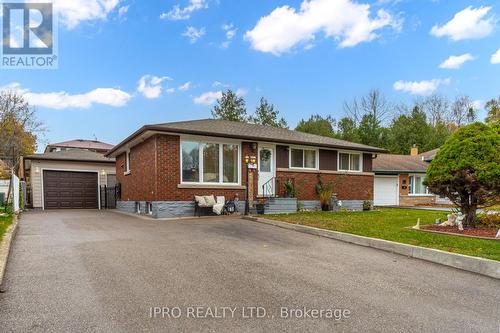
{"x": 347, "y": 187}
{"x": 155, "y": 176}
{"x": 140, "y": 184}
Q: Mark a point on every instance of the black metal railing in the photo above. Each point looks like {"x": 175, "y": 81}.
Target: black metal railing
{"x": 108, "y": 196}
{"x": 275, "y": 187}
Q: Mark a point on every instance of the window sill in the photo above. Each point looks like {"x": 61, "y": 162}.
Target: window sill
{"x": 351, "y": 173}
{"x": 212, "y": 186}
{"x": 126, "y": 173}
{"x": 420, "y": 195}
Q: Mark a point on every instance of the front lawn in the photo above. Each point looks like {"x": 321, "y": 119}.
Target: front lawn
{"x": 390, "y": 224}
{"x": 5, "y": 221}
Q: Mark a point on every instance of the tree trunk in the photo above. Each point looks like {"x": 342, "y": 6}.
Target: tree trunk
{"x": 470, "y": 220}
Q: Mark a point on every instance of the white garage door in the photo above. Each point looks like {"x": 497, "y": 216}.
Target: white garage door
{"x": 385, "y": 191}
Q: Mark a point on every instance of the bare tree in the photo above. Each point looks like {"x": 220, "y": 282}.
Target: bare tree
{"x": 437, "y": 108}
{"x": 373, "y": 104}
{"x": 463, "y": 111}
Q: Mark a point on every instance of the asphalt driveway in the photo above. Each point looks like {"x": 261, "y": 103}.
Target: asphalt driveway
{"x": 103, "y": 271}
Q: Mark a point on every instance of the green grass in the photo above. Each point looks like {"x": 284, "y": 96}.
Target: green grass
{"x": 5, "y": 221}
{"x": 390, "y": 224}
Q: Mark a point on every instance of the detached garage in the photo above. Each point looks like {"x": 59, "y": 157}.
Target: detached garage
{"x": 68, "y": 179}
{"x": 70, "y": 189}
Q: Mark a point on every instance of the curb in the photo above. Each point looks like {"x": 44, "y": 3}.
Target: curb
{"x": 5, "y": 246}
{"x": 481, "y": 266}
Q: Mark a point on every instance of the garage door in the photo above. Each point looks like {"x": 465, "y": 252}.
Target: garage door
{"x": 68, "y": 189}
{"x": 385, "y": 191}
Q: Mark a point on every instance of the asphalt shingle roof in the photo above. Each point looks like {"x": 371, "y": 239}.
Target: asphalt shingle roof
{"x": 246, "y": 131}
{"x": 400, "y": 163}
{"x": 83, "y": 144}
{"x": 71, "y": 155}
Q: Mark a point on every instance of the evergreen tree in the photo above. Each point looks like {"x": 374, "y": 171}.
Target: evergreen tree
{"x": 265, "y": 114}
{"x": 230, "y": 107}
{"x": 318, "y": 125}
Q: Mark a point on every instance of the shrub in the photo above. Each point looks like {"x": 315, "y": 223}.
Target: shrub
{"x": 490, "y": 220}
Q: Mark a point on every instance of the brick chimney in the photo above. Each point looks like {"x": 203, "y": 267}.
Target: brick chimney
{"x": 414, "y": 150}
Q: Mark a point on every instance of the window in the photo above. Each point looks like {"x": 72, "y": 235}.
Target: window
{"x": 204, "y": 162}
{"x": 303, "y": 158}
{"x": 416, "y": 185}
{"x": 127, "y": 161}
{"x": 265, "y": 160}
{"x": 349, "y": 162}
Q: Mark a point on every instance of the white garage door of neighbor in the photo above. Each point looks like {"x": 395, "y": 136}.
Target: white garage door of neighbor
{"x": 386, "y": 191}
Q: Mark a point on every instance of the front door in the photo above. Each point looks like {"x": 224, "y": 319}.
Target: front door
{"x": 266, "y": 171}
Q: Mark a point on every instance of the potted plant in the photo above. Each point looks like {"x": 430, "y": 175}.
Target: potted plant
{"x": 289, "y": 189}
{"x": 324, "y": 199}
{"x": 367, "y": 205}
{"x": 325, "y": 192}
{"x": 260, "y": 206}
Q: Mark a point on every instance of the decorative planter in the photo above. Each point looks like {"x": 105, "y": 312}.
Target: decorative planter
{"x": 325, "y": 208}
{"x": 260, "y": 208}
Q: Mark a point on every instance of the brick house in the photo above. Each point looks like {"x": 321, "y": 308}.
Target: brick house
{"x": 399, "y": 179}
{"x": 161, "y": 167}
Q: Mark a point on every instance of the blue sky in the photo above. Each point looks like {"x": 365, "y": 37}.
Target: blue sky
{"x": 126, "y": 63}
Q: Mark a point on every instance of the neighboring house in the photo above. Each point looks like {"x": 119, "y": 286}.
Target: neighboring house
{"x": 91, "y": 145}
{"x": 161, "y": 167}
{"x": 69, "y": 177}
{"x": 398, "y": 179}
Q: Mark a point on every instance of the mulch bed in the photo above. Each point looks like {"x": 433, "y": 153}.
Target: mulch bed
{"x": 475, "y": 232}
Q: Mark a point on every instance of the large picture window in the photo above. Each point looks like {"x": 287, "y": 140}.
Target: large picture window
{"x": 303, "y": 158}
{"x": 349, "y": 162}
{"x": 416, "y": 185}
{"x": 206, "y": 162}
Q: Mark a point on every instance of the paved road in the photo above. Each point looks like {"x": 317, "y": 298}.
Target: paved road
{"x": 102, "y": 271}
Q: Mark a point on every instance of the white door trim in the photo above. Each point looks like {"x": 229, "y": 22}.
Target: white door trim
{"x": 271, "y": 147}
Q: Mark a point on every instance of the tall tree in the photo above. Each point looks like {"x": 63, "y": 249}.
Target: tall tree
{"x": 347, "y": 130}
{"x": 19, "y": 128}
{"x": 437, "y": 108}
{"x": 265, "y": 114}
{"x": 493, "y": 109}
{"x": 467, "y": 169}
{"x": 463, "y": 111}
{"x": 369, "y": 131}
{"x": 230, "y": 107}
{"x": 407, "y": 130}
{"x": 318, "y": 125}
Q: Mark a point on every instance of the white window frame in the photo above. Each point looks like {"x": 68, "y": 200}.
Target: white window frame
{"x": 127, "y": 162}
{"x": 221, "y": 165}
{"x": 316, "y": 153}
{"x": 350, "y": 153}
{"x": 412, "y": 187}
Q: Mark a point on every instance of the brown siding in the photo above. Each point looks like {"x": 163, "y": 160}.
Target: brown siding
{"x": 282, "y": 158}
{"x": 367, "y": 162}
{"x": 328, "y": 160}
{"x": 346, "y": 186}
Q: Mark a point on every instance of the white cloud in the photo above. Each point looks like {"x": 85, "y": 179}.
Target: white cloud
{"x": 422, "y": 88}
{"x": 63, "y": 100}
{"x": 178, "y": 13}
{"x": 193, "y": 34}
{"x": 150, "y": 85}
{"x": 495, "y": 57}
{"x": 230, "y": 32}
{"x": 478, "y": 104}
{"x": 347, "y": 22}
{"x": 185, "y": 86}
{"x": 240, "y": 92}
{"x": 170, "y": 90}
{"x": 454, "y": 62}
{"x": 469, "y": 23}
{"x": 74, "y": 12}
{"x": 208, "y": 98}
{"x": 123, "y": 10}
{"x": 220, "y": 84}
